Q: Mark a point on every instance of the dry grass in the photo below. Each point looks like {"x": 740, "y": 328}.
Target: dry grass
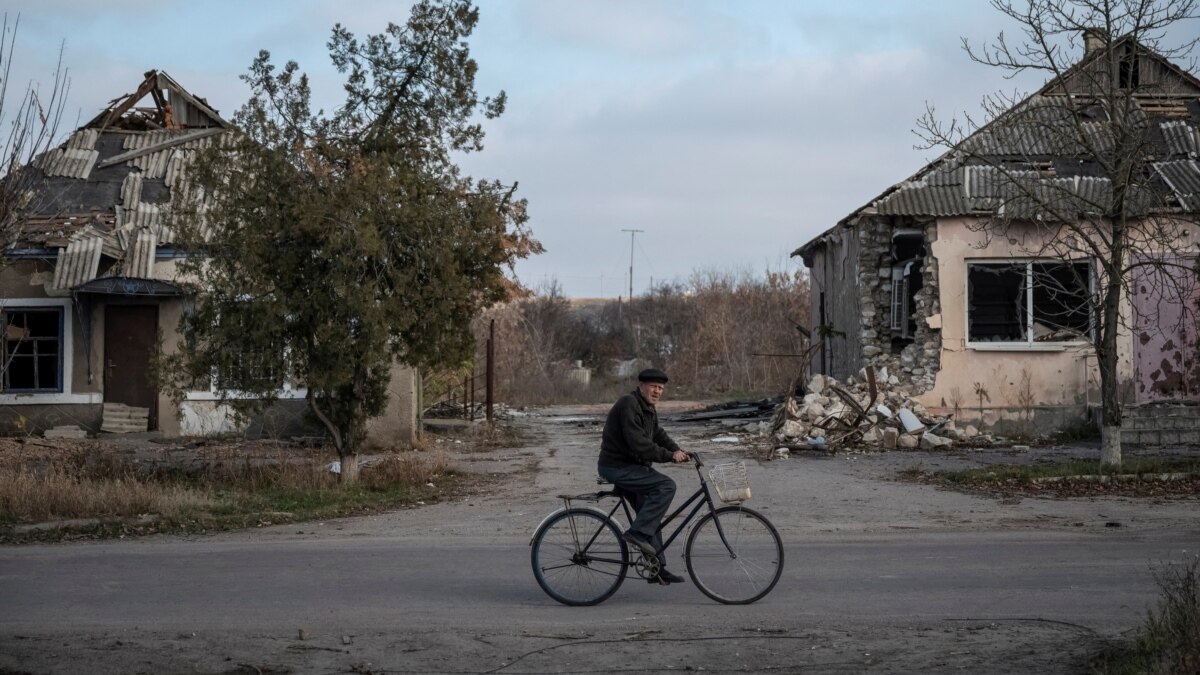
{"x": 405, "y": 469}
{"x": 1169, "y": 640}
{"x": 56, "y": 492}
{"x": 210, "y": 487}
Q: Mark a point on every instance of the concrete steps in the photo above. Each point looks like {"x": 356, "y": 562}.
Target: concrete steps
{"x": 123, "y": 419}
{"x": 1161, "y": 424}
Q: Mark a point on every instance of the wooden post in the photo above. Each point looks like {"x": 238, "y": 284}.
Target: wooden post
{"x": 491, "y": 367}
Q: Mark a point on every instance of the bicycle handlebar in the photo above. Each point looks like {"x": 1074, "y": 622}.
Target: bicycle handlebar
{"x": 695, "y": 458}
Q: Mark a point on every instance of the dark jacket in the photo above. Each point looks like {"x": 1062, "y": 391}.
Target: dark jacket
{"x": 632, "y": 434}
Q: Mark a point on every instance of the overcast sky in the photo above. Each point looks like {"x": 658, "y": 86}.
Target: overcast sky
{"x": 728, "y": 132}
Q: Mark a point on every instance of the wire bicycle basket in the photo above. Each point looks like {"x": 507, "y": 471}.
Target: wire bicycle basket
{"x": 731, "y": 481}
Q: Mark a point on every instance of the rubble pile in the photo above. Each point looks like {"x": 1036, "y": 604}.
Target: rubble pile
{"x": 870, "y": 410}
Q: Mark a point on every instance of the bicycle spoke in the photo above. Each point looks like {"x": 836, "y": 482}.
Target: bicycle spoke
{"x": 744, "y": 564}
{"x": 578, "y": 557}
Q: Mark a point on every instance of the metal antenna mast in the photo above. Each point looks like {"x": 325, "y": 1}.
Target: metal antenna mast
{"x": 632, "y": 234}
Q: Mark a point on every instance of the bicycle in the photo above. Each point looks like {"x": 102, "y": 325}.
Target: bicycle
{"x": 734, "y": 554}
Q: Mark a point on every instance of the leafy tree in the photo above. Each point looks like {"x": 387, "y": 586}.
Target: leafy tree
{"x": 1075, "y": 172}
{"x": 333, "y": 245}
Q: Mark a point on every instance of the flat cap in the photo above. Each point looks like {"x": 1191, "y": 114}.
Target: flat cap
{"x": 652, "y": 375}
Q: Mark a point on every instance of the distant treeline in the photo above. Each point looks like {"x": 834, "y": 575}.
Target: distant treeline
{"x": 721, "y": 333}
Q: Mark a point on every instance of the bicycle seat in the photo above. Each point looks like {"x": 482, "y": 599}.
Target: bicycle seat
{"x": 601, "y": 480}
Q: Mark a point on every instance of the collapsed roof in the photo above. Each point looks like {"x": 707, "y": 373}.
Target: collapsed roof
{"x": 1037, "y": 161}
{"x": 104, "y": 192}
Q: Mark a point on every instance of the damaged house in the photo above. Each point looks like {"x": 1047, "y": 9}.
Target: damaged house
{"x": 90, "y": 291}
{"x": 951, "y": 282}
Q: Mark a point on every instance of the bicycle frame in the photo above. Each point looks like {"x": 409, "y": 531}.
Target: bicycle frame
{"x": 701, "y": 498}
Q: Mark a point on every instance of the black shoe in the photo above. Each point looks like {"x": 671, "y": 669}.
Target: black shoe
{"x": 641, "y": 541}
{"x": 665, "y": 577}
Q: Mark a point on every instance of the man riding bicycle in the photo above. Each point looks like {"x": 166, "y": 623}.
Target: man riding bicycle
{"x": 632, "y": 441}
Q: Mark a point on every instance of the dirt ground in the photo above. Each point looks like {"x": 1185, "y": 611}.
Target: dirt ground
{"x": 840, "y": 494}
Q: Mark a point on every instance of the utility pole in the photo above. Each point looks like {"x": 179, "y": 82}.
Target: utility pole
{"x": 632, "y": 234}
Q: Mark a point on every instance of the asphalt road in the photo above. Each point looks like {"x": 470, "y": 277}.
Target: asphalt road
{"x": 356, "y": 584}
{"x": 449, "y": 589}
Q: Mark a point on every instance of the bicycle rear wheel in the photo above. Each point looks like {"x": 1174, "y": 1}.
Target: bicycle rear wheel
{"x": 742, "y": 567}
{"x": 579, "y": 557}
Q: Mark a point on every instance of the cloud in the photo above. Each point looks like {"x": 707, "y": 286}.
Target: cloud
{"x": 632, "y": 29}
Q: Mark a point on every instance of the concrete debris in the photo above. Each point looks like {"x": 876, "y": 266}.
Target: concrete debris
{"x": 867, "y": 411}
{"x": 66, "y": 431}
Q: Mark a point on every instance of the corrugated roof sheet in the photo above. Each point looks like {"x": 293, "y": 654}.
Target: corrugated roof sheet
{"x": 1029, "y": 194}
{"x": 1182, "y": 138}
{"x": 139, "y": 257}
{"x": 131, "y": 190}
{"x": 79, "y": 261}
{"x": 1184, "y": 178}
{"x": 83, "y": 139}
{"x": 147, "y": 216}
{"x": 945, "y": 200}
{"x": 71, "y": 162}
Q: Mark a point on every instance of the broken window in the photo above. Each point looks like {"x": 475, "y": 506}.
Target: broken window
{"x": 906, "y": 281}
{"x": 236, "y": 369}
{"x": 908, "y": 253}
{"x": 33, "y": 355}
{"x": 1129, "y": 72}
{"x": 1034, "y": 301}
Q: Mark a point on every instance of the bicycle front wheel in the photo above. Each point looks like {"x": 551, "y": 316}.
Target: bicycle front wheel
{"x": 734, "y": 555}
{"x": 579, "y": 557}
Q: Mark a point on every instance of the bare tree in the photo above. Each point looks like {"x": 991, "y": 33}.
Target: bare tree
{"x": 1078, "y": 176}
{"x": 29, "y": 124}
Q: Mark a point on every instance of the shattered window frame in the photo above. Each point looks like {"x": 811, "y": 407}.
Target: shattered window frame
{"x": 34, "y": 350}
{"x": 1048, "y": 307}
{"x": 287, "y": 386}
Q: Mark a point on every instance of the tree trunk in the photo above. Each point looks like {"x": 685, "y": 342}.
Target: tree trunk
{"x": 1106, "y": 360}
{"x": 1110, "y": 444}
{"x": 349, "y": 474}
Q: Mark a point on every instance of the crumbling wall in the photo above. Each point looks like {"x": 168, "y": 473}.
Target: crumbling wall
{"x": 914, "y": 365}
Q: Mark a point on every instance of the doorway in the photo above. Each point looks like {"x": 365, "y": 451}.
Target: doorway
{"x": 130, "y": 337}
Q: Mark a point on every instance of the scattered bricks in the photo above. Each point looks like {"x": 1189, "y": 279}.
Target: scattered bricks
{"x": 817, "y": 384}
{"x": 793, "y": 429}
{"x": 890, "y": 436}
{"x": 812, "y": 412}
{"x": 933, "y": 442}
{"x": 854, "y": 416}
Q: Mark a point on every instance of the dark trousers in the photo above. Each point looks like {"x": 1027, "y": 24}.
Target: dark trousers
{"x": 649, "y": 491}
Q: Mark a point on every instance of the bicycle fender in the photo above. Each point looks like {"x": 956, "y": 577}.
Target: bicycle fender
{"x": 555, "y": 512}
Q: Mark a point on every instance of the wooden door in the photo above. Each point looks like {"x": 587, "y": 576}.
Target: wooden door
{"x": 130, "y": 335}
